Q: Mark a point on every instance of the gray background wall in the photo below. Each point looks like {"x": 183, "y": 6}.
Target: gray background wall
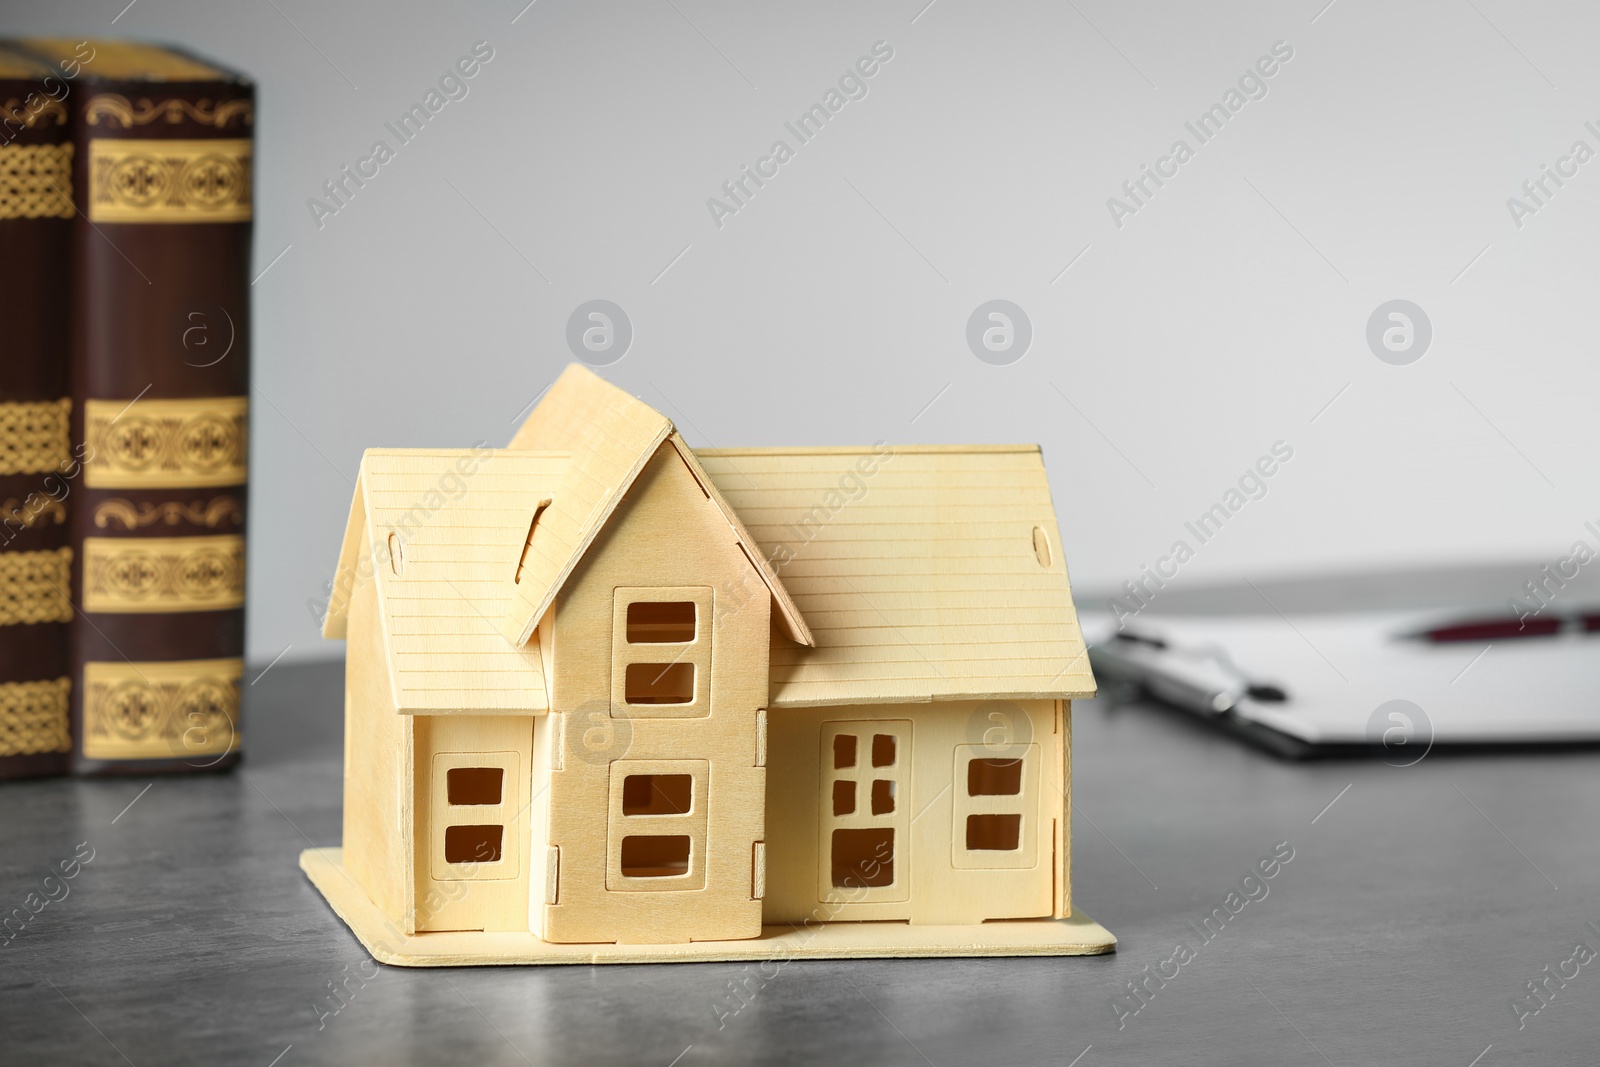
{"x": 1224, "y": 316}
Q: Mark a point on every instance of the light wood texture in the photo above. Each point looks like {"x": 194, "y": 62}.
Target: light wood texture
{"x": 377, "y": 765}
{"x": 667, "y": 535}
{"x": 848, "y": 801}
{"x": 544, "y": 859}
{"x": 485, "y": 886}
{"x": 1061, "y": 810}
{"x": 936, "y": 879}
{"x": 609, "y": 436}
{"x": 354, "y": 560}
{"x": 446, "y": 530}
{"x": 794, "y": 625}
{"x": 916, "y": 570}
{"x": 574, "y": 668}
{"x": 1076, "y": 935}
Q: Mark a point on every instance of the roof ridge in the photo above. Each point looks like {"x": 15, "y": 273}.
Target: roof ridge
{"x": 844, "y": 450}
{"x": 612, "y": 435}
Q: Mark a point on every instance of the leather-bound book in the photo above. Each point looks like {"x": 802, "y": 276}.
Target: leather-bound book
{"x": 36, "y": 215}
{"x": 160, "y": 386}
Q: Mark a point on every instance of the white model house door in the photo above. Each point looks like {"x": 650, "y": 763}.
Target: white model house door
{"x": 863, "y": 847}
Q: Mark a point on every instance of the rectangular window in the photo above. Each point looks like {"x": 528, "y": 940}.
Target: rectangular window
{"x": 661, "y": 649}
{"x": 863, "y": 826}
{"x": 995, "y": 817}
{"x": 473, "y": 804}
{"x": 475, "y": 785}
{"x": 994, "y": 777}
{"x": 863, "y": 858}
{"x": 661, "y": 622}
{"x": 659, "y": 683}
{"x": 473, "y": 843}
{"x": 993, "y": 833}
{"x": 883, "y": 796}
{"x": 657, "y": 794}
{"x": 656, "y": 825}
{"x": 655, "y": 857}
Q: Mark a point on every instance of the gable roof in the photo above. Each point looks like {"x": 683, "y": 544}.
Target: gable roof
{"x": 446, "y": 528}
{"x": 609, "y": 437}
{"x": 920, "y": 579}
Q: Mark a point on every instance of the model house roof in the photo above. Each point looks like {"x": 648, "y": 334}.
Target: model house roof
{"x": 897, "y": 575}
{"x": 925, "y": 573}
{"x": 609, "y": 436}
{"x": 446, "y": 529}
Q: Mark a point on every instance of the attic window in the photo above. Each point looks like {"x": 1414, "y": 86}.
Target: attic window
{"x": 661, "y": 622}
{"x": 1041, "y": 546}
{"x": 397, "y": 553}
{"x": 533, "y": 524}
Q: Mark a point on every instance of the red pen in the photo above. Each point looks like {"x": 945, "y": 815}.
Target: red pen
{"x": 1495, "y": 628}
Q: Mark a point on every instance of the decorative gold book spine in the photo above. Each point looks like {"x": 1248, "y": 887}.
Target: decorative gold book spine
{"x": 36, "y": 209}
{"x": 161, "y": 351}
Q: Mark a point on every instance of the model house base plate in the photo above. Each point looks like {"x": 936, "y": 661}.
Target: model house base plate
{"x": 1078, "y": 935}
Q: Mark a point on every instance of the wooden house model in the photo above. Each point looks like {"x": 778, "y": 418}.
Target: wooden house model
{"x": 610, "y": 698}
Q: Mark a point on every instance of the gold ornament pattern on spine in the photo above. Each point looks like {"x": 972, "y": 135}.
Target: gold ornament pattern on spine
{"x": 113, "y": 109}
{"x": 36, "y": 181}
{"x": 35, "y": 587}
{"x": 33, "y": 717}
{"x": 176, "y": 710}
{"x": 34, "y": 436}
{"x": 221, "y": 511}
{"x": 123, "y": 575}
{"x": 169, "y": 181}
{"x": 33, "y": 110}
{"x": 166, "y": 444}
{"x": 37, "y": 510}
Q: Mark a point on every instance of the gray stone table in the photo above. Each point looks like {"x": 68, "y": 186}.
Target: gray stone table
{"x": 1414, "y": 910}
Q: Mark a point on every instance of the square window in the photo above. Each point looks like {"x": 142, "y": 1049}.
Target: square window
{"x": 882, "y": 797}
{"x": 993, "y": 833}
{"x": 994, "y": 777}
{"x": 661, "y": 622}
{"x": 657, "y": 794}
{"x": 472, "y": 844}
{"x": 863, "y": 859}
{"x": 844, "y": 798}
{"x": 655, "y": 857}
{"x": 659, "y": 683}
{"x": 474, "y": 785}
{"x": 883, "y": 750}
{"x": 844, "y": 751}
